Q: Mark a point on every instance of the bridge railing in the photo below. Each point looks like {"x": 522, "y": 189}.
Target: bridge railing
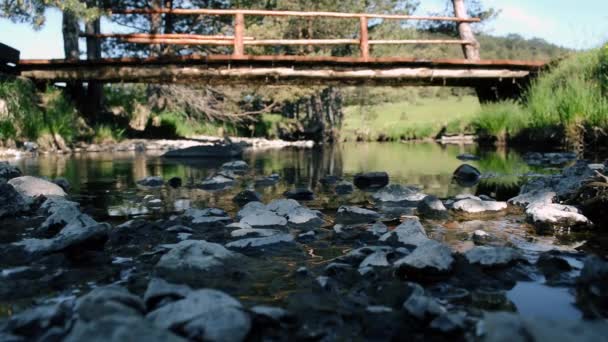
{"x": 240, "y": 41}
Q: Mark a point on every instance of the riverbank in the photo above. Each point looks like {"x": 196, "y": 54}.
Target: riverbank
{"x": 358, "y": 255}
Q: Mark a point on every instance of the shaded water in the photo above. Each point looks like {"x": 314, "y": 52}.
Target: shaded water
{"x": 105, "y": 185}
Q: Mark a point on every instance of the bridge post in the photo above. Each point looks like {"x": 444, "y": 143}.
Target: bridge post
{"x": 239, "y": 35}
{"x": 471, "y": 50}
{"x": 364, "y": 39}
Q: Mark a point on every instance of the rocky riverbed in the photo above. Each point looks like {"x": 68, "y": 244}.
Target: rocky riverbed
{"x": 349, "y": 258}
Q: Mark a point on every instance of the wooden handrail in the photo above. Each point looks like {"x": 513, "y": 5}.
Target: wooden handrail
{"x": 203, "y": 11}
{"x": 162, "y": 36}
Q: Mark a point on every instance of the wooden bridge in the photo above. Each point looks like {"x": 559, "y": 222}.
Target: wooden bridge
{"x": 493, "y": 79}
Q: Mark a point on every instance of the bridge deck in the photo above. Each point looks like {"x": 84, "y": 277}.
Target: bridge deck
{"x": 279, "y": 70}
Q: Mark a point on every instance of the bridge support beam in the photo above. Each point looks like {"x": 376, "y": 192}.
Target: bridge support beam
{"x": 471, "y": 50}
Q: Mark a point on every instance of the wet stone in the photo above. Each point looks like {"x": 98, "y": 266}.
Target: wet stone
{"x": 539, "y": 196}
{"x": 265, "y": 220}
{"x": 399, "y": 195}
{"x": 429, "y": 258}
{"x": 304, "y": 218}
{"x": 409, "y": 233}
{"x": 247, "y": 196}
{"x": 354, "y": 215}
{"x": 378, "y": 229}
{"x": 108, "y": 301}
{"x": 8, "y": 172}
{"x": 283, "y": 207}
{"x": 217, "y": 182}
{"x": 260, "y": 242}
{"x": 467, "y": 175}
{"x": 475, "y": 205}
{"x": 489, "y": 257}
{"x": 209, "y": 218}
{"x": 344, "y": 188}
{"x": 271, "y": 180}
{"x": 371, "y": 180}
{"x": 555, "y": 217}
{"x": 238, "y": 166}
{"x": 120, "y": 328}
{"x": 29, "y": 186}
{"x": 421, "y": 306}
{"x": 63, "y": 183}
{"x": 431, "y": 207}
{"x": 175, "y": 182}
{"x": 250, "y": 208}
{"x": 466, "y": 157}
{"x": 300, "y": 194}
{"x": 11, "y": 202}
{"x": 160, "y": 292}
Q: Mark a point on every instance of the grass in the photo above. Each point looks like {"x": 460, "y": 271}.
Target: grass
{"x": 23, "y": 116}
{"x": 423, "y": 118}
{"x": 180, "y": 125}
{"x": 108, "y": 134}
{"x": 500, "y": 120}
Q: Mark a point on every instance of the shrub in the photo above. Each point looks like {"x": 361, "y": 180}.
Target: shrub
{"x": 500, "y": 119}
{"x": 23, "y": 117}
{"x": 60, "y": 115}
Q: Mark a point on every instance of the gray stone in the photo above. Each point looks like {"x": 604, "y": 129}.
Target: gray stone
{"x": 430, "y": 256}
{"x": 251, "y": 232}
{"x": 534, "y": 197}
{"x": 247, "y": 196}
{"x": 348, "y": 215}
{"x": 209, "y": 217}
{"x": 261, "y": 241}
{"x": 29, "y": 186}
{"x": 71, "y": 236}
{"x": 283, "y": 207}
{"x": 487, "y": 256}
{"x": 300, "y": 194}
{"x": 207, "y": 151}
{"x": 151, "y": 182}
{"x": 450, "y": 322}
{"x": 408, "y": 233}
{"x": 268, "y": 181}
{"x": 107, "y": 301}
{"x": 250, "y": 208}
{"x": 11, "y": 202}
{"x": 265, "y": 220}
{"x": 371, "y": 180}
{"x": 432, "y": 208}
{"x": 208, "y": 315}
{"x": 38, "y": 321}
{"x": 159, "y": 289}
{"x": 378, "y": 229}
{"x": 63, "y": 183}
{"x": 120, "y": 328}
{"x": 61, "y": 213}
{"x": 304, "y": 218}
{"x": 194, "y": 256}
{"x": 238, "y": 166}
{"x": 478, "y": 206}
{"x": 420, "y": 305}
{"x": 399, "y": 195}
{"x": 217, "y": 182}
{"x": 467, "y": 175}
{"x": 556, "y": 216}
{"x": 376, "y": 259}
{"x": 271, "y": 312}
{"x": 8, "y": 172}
{"x": 344, "y": 188}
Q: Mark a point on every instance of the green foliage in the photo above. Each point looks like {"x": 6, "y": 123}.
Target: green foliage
{"x": 180, "y": 125}
{"x": 32, "y": 11}
{"x": 60, "y": 115}
{"x": 23, "y": 117}
{"x": 125, "y": 96}
{"x": 108, "y": 134}
{"x": 501, "y": 119}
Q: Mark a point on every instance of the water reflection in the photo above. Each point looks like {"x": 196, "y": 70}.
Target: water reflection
{"x": 104, "y": 180}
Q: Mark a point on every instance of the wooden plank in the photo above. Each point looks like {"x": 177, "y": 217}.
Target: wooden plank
{"x": 239, "y": 34}
{"x": 179, "y": 41}
{"x": 418, "y": 41}
{"x": 164, "y": 36}
{"x": 364, "y": 38}
{"x": 302, "y": 42}
{"x": 202, "y": 11}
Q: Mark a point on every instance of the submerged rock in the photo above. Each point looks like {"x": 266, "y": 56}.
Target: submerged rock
{"x": 371, "y": 180}
{"x": 247, "y": 196}
{"x": 467, "y": 175}
{"x": 207, "y": 151}
{"x": 207, "y": 315}
{"x": 489, "y": 257}
{"x": 432, "y": 208}
{"x": 29, "y": 186}
{"x": 151, "y": 182}
{"x": 348, "y": 215}
{"x": 217, "y": 182}
{"x": 399, "y": 195}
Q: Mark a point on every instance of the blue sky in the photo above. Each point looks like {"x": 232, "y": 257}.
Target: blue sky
{"x": 557, "y": 21}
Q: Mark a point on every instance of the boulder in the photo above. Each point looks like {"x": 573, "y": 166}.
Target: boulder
{"x": 409, "y": 233}
{"x": 371, "y": 180}
{"x": 151, "y": 182}
{"x": 304, "y": 218}
{"x": 432, "y": 208}
{"x": 175, "y": 182}
{"x": 217, "y": 182}
{"x": 207, "y": 315}
{"x": 283, "y": 207}
{"x": 344, "y": 188}
{"x": 207, "y": 151}
{"x": 237, "y": 166}
{"x": 120, "y": 328}
{"x": 250, "y": 208}
{"x": 207, "y": 218}
{"x": 35, "y": 324}
{"x": 260, "y": 242}
{"x": 430, "y": 257}
{"x": 467, "y": 175}
{"x": 160, "y": 291}
{"x": 11, "y": 202}
{"x": 8, "y": 172}
{"x": 550, "y": 217}
{"x": 534, "y": 197}
{"x": 265, "y": 219}
{"x": 108, "y": 301}
{"x": 63, "y": 183}
{"x": 60, "y": 213}
{"x": 29, "y": 186}
{"x": 421, "y": 306}
{"x": 300, "y": 194}
{"x": 492, "y": 257}
{"x": 476, "y": 205}
{"x": 399, "y": 195}
{"x": 247, "y": 196}
{"x": 348, "y": 215}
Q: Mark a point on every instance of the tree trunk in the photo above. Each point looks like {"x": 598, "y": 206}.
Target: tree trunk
{"x": 156, "y": 25}
{"x": 471, "y": 51}
{"x": 94, "y": 102}
{"x": 70, "y": 31}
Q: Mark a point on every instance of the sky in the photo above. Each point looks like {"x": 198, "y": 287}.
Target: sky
{"x": 579, "y": 27}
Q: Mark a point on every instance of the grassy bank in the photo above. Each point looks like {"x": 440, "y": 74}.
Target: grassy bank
{"x": 409, "y": 119}
{"x": 566, "y": 105}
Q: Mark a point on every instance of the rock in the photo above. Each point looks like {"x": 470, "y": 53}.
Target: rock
{"x": 421, "y": 306}
{"x": 450, "y": 322}
{"x": 592, "y": 287}
{"x": 217, "y": 182}
{"x": 250, "y": 232}
{"x": 552, "y": 158}
{"x": 207, "y": 151}
{"x": 354, "y": 215}
{"x": 159, "y": 291}
{"x": 247, "y": 196}
{"x": 550, "y": 217}
{"x": 378, "y": 229}
{"x": 300, "y": 194}
{"x": 36, "y": 323}
{"x": 344, "y": 188}
{"x": 371, "y": 180}
{"x": 467, "y": 175}
{"x": 267, "y": 181}
{"x": 11, "y": 202}
{"x": 283, "y": 207}
{"x": 376, "y": 259}
{"x": 398, "y": 195}
{"x": 330, "y": 180}
{"x": 429, "y": 257}
{"x": 120, "y": 328}
{"x": 63, "y": 183}
{"x": 432, "y": 208}
{"x": 503, "y": 326}
{"x": 108, "y": 301}
{"x": 475, "y": 205}
{"x": 304, "y": 218}
{"x": 555, "y": 268}
{"x": 238, "y": 166}
{"x": 409, "y": 233}
{"x": 175, "y": 182}
{"x": 60, "y": 213}
{"x": 272, "y": 312}
{"x": 29, "y": 186}
{"x": 265, "y": 220}
{"x": 208, "y": 315}
{"x": 151, "y": 182}
{"x": 193, "y": 259}
{"x": 8, "y": 172}
{"x": 481, "y": 237}
{"x": 259, "y": 242}
{"x": 208, "y": 218}
{"x": 467, "y": 157}
{"x": 250, "y": 208}
{"x": 490, "y": 257}
{"x": 535, "y": 197}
